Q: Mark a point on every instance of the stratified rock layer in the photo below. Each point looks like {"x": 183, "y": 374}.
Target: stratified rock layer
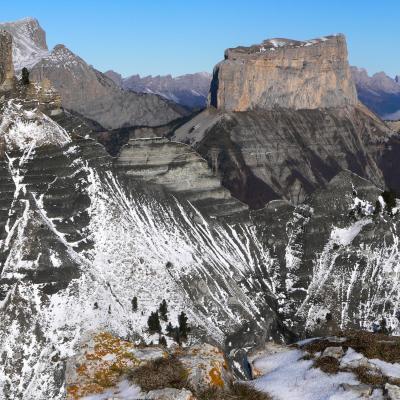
{"x": 284, "y": 73}
{"x": 281, "y": 153}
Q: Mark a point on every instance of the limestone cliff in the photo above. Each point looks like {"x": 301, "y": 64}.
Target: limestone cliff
{"x": 284, "y": 120}
{"x": 284, "y": 73}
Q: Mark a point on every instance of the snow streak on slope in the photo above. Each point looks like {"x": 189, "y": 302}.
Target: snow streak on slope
{"x": 80, "y": 246}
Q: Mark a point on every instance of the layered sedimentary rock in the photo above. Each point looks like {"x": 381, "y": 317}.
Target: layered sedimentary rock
{"x": 284, "y": 73}
{"x": 284, "y": 120}
{"x": 181, "y": 170}
{"x": 6, "y": 64}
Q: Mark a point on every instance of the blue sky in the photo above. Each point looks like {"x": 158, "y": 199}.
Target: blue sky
{"x": 177, "y": 37}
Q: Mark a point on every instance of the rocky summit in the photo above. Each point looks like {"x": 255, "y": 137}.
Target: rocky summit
{"x": 284, "y": 73}
{"x": 250, "y": 251}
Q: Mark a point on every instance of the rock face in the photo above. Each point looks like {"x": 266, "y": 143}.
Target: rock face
{"x": 284, "y": 73}
{"x": 6, "y": 64}
{"x": 188, "y": 90}
{"x": 378, "y": 92}
{"x": 29, "y": 42}
{"x": 92, "y": 94}
{"x": 262, "y": 156}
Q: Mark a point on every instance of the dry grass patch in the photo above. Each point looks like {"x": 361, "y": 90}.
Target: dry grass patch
{"x": 235, "y": 392}
{"x": 329, "y": 365}
{"x": 374, "y": 345}
{"x": 365, "y": 375}
{"x": 159, "y": 374}
{"x": 371, "y": 345}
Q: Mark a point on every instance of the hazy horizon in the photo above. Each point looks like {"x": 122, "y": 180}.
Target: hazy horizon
{"x": 156, "y": 38}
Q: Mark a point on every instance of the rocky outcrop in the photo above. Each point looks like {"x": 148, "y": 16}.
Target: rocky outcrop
{"x": 379, "y": 92}
{"x": 6, "y": 64}
{"x": 181, "y": 170}
{"x": 29, "y": 42}
{"x": 284, "y": 73}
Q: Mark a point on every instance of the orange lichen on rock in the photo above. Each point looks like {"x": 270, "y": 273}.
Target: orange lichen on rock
{"x": 215, "y": 377}
{"x": 103, "y": 366}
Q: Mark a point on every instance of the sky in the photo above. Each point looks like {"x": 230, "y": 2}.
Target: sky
{"x": 158, "y": 37}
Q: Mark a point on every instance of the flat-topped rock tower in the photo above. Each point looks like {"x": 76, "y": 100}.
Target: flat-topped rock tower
{"x": 284, "y": 73}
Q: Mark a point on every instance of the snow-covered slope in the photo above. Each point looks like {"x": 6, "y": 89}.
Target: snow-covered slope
{"x": 77, "y": 247}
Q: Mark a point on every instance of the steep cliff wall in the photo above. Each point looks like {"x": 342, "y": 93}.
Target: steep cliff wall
{"x": 6, "y": 64}
{"x": 284, "y": 73}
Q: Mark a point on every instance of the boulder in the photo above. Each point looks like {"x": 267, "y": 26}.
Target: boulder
{"x": 206, "y": 367}
{"x": 334, "y": 352}
{"x": 393, "y": 391}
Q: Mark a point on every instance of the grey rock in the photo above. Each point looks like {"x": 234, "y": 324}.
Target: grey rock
{"x": 393, "y": 391}
{"x": 364, "y": 391}
{"x": 334, "y": 352}
{"x": 170, "y": 394}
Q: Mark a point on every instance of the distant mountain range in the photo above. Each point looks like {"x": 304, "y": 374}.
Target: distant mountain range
{"x": 378, "y": 92}
{"x": 189, "y": 90}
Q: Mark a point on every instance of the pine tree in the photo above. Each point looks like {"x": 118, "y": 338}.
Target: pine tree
{"x": 25, "y": 76}
{"x": 153, "y": 322}
{"x": 183, "y": 326}
{"x": 378, "y": 207}
{"x": 162, "y": 341}
{"x": 163, "y": 311}
{"x": 169, "y": 328}
{"x": 177, "y": 335}
{"x": 390, "y": 200}
{"x": 134, "y": 304}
